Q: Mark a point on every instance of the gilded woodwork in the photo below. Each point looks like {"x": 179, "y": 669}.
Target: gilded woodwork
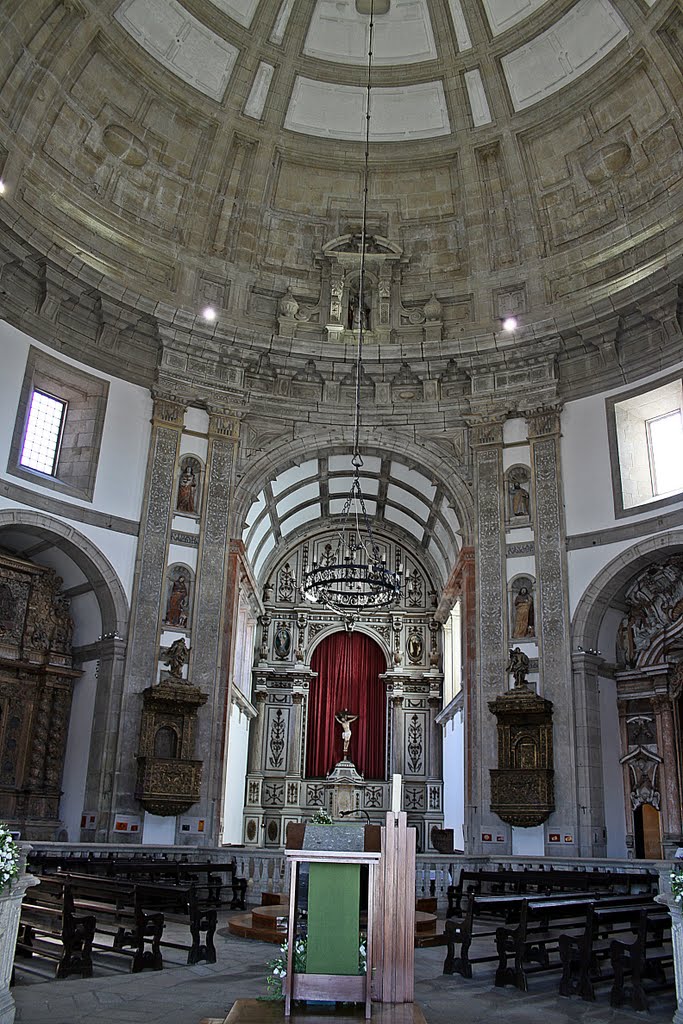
{"x": 522, "y": 787}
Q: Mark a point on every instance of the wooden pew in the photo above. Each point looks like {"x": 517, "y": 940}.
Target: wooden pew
{"x": 120, "y": 912}
{"x": 582, "y": 956}
{"x": 647, "y": 955}
{"x": 533, "y": 944}
{"x": 508, "y": 881}
{"x": 48, "y": 913}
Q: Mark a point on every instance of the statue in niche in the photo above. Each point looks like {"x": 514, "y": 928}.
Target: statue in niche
{"x": 177, "y": 604}
{"x": 625, "y": 644}
{"x": 523, "y": 621}
{"x": 345, "y": 718}
{"x": 282, "y": 641}
{"x": 415, "y": 647}
{"x": 176, "y": 658}
{"x": 358, "y": 315}
{"x": 187, "y": 488}
{"x": 519, "y": 500}
{"x": 518, "y": 666}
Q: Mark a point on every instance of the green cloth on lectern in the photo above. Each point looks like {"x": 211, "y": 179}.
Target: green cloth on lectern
{"x": 333, "y": 919}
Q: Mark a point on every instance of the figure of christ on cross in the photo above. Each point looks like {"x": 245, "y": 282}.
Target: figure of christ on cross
{"x": 345, "y": 718}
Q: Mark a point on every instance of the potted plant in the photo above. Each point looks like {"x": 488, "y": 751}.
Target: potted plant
{"x": 13, "y": 884}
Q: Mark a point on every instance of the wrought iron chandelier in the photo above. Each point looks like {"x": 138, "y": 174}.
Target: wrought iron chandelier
{"x": 355, "y": 577}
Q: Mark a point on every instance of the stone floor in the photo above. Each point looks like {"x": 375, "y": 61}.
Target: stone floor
{"x": 187, "y": 995}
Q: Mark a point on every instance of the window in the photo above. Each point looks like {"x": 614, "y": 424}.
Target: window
{"x": 58, "y": 428}
{"x": 452, "y": 654}
{"x": 665, "y": 439}
{"x": 646, "y": 447}
{"x": 43, "y": 433}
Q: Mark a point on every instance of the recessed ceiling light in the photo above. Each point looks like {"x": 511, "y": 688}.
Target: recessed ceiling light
{"x": 209, "y": 313}
{"x": 510, "y": 323}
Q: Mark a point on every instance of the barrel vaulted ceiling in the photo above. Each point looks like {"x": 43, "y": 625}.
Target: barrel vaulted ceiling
{"x": 401, "y": 501}
{"x": 166, "y": 155}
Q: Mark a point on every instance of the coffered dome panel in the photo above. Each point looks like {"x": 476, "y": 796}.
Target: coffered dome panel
{"x": 339, "y": 33}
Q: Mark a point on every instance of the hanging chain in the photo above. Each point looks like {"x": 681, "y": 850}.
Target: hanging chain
{"x": 357, "y": 461}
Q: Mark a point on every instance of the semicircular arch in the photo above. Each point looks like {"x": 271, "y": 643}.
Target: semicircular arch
{"x": 98, "y": 570}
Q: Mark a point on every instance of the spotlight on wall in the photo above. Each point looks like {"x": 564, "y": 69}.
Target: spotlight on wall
{"x": 209, "y": 313}
{"x": 509, "y": 323}
{"x": 3, "y": 187}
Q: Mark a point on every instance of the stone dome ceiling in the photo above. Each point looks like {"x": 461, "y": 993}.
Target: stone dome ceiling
{"x": 526, "y": 158}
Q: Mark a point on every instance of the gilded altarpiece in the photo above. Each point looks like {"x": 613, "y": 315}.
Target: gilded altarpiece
{"x": 36, "y": 682}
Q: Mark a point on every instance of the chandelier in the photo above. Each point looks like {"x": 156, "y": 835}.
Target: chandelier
{"x": 355, "y": 576}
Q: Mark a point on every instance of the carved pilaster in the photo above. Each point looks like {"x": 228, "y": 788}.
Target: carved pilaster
{"x": 574, "y": 739}
{"x": 295, "y": 765}
{"x": 148, "y": 586}
{"x": 396, "y": 710}
{"x": 212, "y": 562}
{"x": 481, "y": 755}
{"x": 669, "y": 782}
{"x": 590, "y": 791}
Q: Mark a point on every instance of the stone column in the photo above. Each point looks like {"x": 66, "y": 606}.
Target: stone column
{"x": 295, "y": 750}
{"x": 434, "y": 759}
{"x": 676, "y": 911}
{"x": 481, "y": 752}
{"x": 207, "y": 669}
{"x": 668, "y": 775}
{"x": 569, "y": 725}
{"x": 591, "y": 831}
{"x": 396, "y": 710}
{"x": 106, "y": 730}
{"x": 148, "y": 586}
{"x": 257, "y": 735}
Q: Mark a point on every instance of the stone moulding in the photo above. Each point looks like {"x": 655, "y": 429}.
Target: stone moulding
{"x": 522, "y": 786}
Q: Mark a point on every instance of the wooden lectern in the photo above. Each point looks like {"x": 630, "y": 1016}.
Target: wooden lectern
{"x": 334, "y": 912}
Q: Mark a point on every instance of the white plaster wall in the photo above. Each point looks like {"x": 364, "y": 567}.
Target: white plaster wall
{"x": 121, "y": 469}
{"x": 235, "y": 774}
{"x": 454, "y": 777}
{"x": 612, "y": 774}
{"x": 77, "y": 747}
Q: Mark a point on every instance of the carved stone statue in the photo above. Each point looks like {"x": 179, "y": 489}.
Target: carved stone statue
{"x": 345, "y": 718}
{"x": 523, "y": 623}
{"x": 187, "y": 490}
{"x": 519, "y": 500}
{"x": 176, "y": 607}
{"x": 176, "y": 658}
{"x": 625, "y": 644}
{"x": 518, "y": 666}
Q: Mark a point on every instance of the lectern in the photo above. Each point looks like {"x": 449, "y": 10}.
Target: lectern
{"x": 335, "y": 855}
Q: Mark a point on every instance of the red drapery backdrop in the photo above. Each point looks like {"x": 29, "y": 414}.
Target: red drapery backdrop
{"x": 348, "y": 667}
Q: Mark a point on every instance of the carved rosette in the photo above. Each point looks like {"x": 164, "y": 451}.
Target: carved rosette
{"x": 169, "y": 777}
{"x": 522, "y": 787}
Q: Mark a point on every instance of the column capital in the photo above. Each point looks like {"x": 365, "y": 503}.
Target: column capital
{"x": 223, "y": 425}
{"x": 485, "y": 434}
{"x": 543, "y": 422}
{"x": 169, "y": 411}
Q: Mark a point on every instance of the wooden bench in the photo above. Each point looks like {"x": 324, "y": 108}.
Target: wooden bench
{"x": 647, "y": 955}
{"x": 197, "y": 902}
{"x": 582, "y": 956}
{"x": 480, "y": 910}
{"x": 120, "y": 912}
{"x": 531, "y": 945}
{"x": 513, "y": 882}
{"x": 149, "y": 868}
{"x": 50, "y": 927}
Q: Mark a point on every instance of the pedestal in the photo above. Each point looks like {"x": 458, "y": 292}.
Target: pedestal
{"x": 10, "y": 909}
{"x": 676, "y": 910}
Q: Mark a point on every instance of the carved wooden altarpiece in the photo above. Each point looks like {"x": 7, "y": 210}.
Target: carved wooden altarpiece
{"x": 169, "y": 777}
{"x": 36, "y": 682}
{"x": 522, "y": 787}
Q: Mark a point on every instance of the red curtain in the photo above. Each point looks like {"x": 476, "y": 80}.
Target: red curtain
{"x": 348, "y": 667}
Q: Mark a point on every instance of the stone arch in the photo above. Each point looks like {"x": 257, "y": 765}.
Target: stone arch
{"x": 609, "y": 580}
{"x": 108, "y": 589}
{"x": 289, "y": 452}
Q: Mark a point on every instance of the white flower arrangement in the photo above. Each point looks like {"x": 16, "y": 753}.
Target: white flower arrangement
{"x": 677, "y": 885}
{"x": 278, "y": 966}
{"x": 322, "y": 817}
{"x": 9, "y": 859}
